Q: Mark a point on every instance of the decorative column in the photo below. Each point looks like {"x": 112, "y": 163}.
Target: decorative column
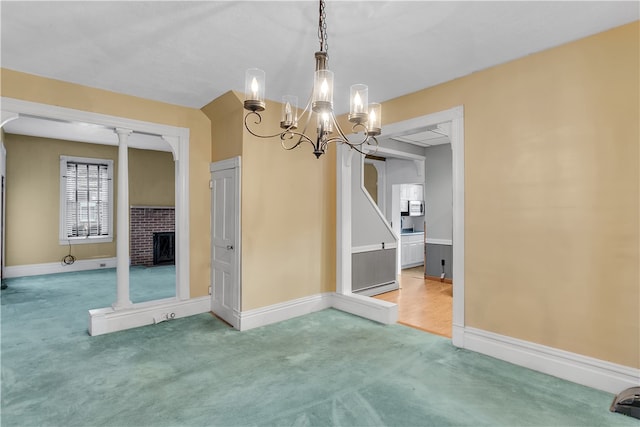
{"x": 122, "y": 230}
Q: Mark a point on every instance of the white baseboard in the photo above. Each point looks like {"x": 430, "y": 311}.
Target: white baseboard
{"x": 588, "y": 371}
{"x": 58, "y": 267}
{"x": 370, "y": 308}
{"x": 376, "y": 310}
{"x": 108, "y": 319}
{"x": 251, "y": 319}
{"x": 378, "y": 289}
{"x": 445, "y": 242}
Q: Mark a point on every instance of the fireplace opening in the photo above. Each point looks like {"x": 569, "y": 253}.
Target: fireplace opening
{"x": 164, "y": 248}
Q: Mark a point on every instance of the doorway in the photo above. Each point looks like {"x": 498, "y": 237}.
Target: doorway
{"x": 225, "y": 240}
{"x": 456, "y": 117}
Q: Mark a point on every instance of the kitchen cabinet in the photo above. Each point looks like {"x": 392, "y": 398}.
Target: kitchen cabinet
{"x": 412, "y": 250}
{"x": 411, "y": 192}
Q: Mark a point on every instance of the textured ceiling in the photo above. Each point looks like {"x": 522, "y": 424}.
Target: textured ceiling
{"x": 188, "y": 52}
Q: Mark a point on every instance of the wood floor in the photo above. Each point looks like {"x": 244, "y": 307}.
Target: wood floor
{"x": 422, "y": 304}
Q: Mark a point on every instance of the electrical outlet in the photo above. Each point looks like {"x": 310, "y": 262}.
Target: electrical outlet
{"x": 442, "y": 262}
{"x": 210, "y": 290}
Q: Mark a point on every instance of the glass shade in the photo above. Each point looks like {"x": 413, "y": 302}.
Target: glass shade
{"x": 254, "y": 89}
{"x": 289, "y": 118}
{"x": 359, "y": 96}
{"x": 374, "y": 124}
{"x": 322, "y": 91}
{"x": 325, "y": 123}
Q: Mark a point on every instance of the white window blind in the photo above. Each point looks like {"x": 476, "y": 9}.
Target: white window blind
{"x": 86, "y": 199}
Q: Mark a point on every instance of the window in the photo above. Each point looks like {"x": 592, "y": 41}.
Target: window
{"x": 86, "y": 200}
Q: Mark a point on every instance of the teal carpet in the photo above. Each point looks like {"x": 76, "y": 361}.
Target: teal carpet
{"x": 323, "y": 369}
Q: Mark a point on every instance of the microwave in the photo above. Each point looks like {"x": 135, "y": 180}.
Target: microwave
{"x": 416, "y": 208}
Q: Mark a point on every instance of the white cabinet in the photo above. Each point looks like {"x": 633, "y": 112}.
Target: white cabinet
{"x": 412, "y": 250}
{"x": 411, "y": 192}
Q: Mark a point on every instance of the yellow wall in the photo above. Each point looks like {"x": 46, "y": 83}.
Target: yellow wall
{"x": 226, "y": 116}
{"x": 151, "y": 178}
{"x": 47, "y": 91}
{"x": 288, "y": 219}
{"x": 551, "y": 194}
{"x": 33, "y": 191}
{"x": 288, "y": 208}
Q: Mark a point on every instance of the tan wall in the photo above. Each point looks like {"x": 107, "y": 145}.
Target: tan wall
{"x": 288, "y": 214}
{"x": 151, "y": 178}
{"x": 226, "y": 115}
{"x": 551, "y": 194}
{"x": 33, "y": 200}
{"x": 33, "y": 191}
{"x": 288, "y": 219}
{"x": 47, "y": 91}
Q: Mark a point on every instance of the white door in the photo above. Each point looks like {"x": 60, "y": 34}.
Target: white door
{"x": 225, "y": 255}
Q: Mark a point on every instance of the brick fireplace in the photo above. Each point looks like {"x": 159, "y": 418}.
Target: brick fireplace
{"x": 145, "y": 221}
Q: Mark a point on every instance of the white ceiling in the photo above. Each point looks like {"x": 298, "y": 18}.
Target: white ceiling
{"x": 189, "y": 53}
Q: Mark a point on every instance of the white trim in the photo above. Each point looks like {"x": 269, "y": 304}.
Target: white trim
{"x": 106, "y": 320}
{"x": 58, "y": 267}
{"x": 371, "y": 248}
{"x": 255, "y": 318}
{"x": 588, "y": 371}
{"x": 446, "y": 242}
{"x": 370, "y": 308}
{"x": 373, "y": 203}
{"x": 3, "y": 202}
{"x": 381, "y": 182}
{"x": 343, "y": 220}
{"x": 378, "y": 289}
{"x": 457, "y": 146}
{"x": 178, "y": 139}
{"x": 231, "y": 163}
{"x": 396, "y": 154}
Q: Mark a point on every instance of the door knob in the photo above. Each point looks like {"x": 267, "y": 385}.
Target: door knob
{"x": 229, "y": 247}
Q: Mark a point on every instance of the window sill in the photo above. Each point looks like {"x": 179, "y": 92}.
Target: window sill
{"x": 86, "y": 240}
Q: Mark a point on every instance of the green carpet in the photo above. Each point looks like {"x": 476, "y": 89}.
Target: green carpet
{"x": 326, "y": 368}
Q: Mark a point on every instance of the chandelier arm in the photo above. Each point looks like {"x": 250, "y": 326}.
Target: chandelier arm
{"x": 343, "y": 138}
{"x": 258, "y": 121}
{"x": 302, "y": 138}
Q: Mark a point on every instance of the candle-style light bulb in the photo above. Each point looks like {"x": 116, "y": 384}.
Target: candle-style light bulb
{"x": 374, "y": 126}
{"x": 287, "y": 112}
{"x": 324, "y": 88}
{"x": 254, "y": 88}
{"x": 357, "y": 103}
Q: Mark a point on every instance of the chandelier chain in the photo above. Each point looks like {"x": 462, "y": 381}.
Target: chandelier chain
{"x": 322, "y": 29}
{"x": 319, "y": 109}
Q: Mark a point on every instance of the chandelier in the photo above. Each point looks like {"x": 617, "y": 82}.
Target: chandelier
{"x": 366, "y": 117}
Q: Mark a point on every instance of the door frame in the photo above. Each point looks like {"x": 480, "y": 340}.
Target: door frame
{"x": 234, "y": 163}
{"x": 107, "y": 319}
{"x": 454, "y": 115}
